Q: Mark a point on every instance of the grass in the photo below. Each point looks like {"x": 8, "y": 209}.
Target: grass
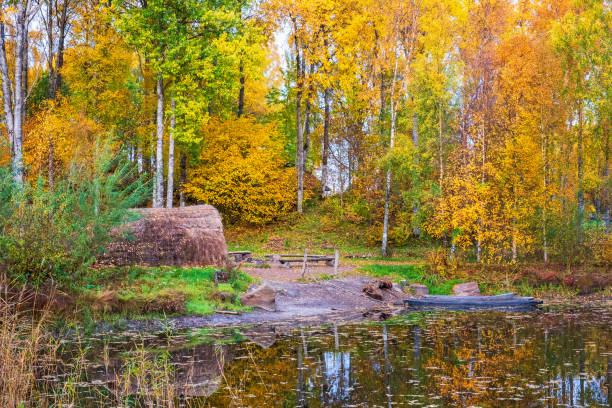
{"x": 147, "y": 292}
{"x": 412, "y": 274}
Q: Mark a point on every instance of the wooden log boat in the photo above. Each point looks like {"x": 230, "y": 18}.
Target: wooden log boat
{"x": 505, "y": 301}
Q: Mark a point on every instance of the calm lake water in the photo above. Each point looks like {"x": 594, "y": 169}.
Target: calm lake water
{"x": 547, "y": 358}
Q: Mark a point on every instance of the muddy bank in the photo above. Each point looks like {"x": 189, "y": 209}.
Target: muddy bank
{"x": 298, "y": 304}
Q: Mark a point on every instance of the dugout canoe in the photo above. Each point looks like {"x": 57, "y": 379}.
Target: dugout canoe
{"x": 505, "y": 301}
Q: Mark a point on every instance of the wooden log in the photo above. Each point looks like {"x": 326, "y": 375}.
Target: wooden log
{"x": 228, "y": 312}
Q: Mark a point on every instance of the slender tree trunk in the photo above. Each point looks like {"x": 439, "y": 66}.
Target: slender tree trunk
{"x": 299, "y": 154}
{"x": 383, "y": 106}
{"x": 580, "y": 173}
{"x": 170, "y": 188}
{"x": 514, "y": 231}
{"x": 325, "y": 153}
{"x": 159, "y": 157}
{"x": 18, "y": 95}
{"x": 306, "y": 135}
{"x": 482, "y": 181}
{"x": 241, "y": 92}
{"x": 441, "y": 169}
{"x": 49, "y": 28}
{"x": 139, "y": 159}
{"x": 61, "y": 39}
{"x": 545, "y": 188}
{"x": 607, "y": 176}
{"x": 385, "y": 235}
{"x": 416, "y": 231}
{"x": 152, "y": 168}
{"x": 24, "y": 74}
{"x": 182, "y": 179}
{"x": 7, "y": 97}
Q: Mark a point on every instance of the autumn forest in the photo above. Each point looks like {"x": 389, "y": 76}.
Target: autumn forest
{"x": 482, "y": 126}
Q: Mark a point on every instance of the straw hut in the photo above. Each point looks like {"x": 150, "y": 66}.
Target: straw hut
{"x": 186, "y": 236}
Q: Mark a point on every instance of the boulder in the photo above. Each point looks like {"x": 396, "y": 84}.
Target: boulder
{"x": 419, "y": 290}
{"x": 373, "y": 288}
{"x": 263, "y": 297}
{"x": 466, "y": 289}
{"x": 373, "y": 292}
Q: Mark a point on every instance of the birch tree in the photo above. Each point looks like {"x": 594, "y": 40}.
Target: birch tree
{"x": 14, "y": 84}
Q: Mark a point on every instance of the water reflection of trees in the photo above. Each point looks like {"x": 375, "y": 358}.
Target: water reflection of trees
{"x": 492, "y": 360}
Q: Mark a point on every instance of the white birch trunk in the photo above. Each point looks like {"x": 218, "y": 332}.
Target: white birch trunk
{"x": 325, "y": 152}
{"x": 152, "y": 168}
{"x": 170, "y": 188}
{"x": 385, "y": 235}
{"x": 416, "y": 231}
{"x": 159, "y": 156}
{"x": 7, "y": 97}
{"x": 139, "y": 159}
{"x": 299, "y": 154}
{"x": 18, "y": 95}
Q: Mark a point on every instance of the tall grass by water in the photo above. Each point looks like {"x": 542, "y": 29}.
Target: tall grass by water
{"x": 37, "y": 371}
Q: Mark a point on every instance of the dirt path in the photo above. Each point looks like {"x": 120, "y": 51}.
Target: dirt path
{"x": 298, "y": 304}
{"x": 284, "y": 274}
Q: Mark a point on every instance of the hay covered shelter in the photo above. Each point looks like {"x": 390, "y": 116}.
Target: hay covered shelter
{"x": 185, "y": 236}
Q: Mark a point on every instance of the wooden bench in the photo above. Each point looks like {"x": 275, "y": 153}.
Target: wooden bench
{"x": 240, "y": 256}
{"x": 287, "y": 260}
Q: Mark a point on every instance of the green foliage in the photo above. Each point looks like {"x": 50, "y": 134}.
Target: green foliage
{"x": 169, "y": 290}
{"x": 413, "y": 274}
{"x": 56, "y": 232}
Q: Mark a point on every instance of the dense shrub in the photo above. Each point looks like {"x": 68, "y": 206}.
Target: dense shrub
{"x": 54, "y": 232}
{"x": 242, "y": 173}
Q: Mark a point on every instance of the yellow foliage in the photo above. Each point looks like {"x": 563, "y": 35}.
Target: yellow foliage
{"x": 241, "y": 172}
{"x": 60, "y": 127}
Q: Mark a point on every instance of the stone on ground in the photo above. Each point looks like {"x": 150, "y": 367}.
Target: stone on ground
{"x": 466, "y": 289}
{"x": 263, "y": 297}
{"x": 373, "y": 288}
{"x": 419, "y": 290}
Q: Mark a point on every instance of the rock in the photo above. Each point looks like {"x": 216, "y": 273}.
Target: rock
{"x": 385, "y": 284}
{"x": 275, "y": 259}
{"x": 224, "y": 296}
{"x": 419, "y": 290}
{"x": 263, "y": 297}
{"x": 466, "y": 289}
{"x": 373, "y": 292}
{"x": 397, "y": 288}
{"x": 373, "y": 288}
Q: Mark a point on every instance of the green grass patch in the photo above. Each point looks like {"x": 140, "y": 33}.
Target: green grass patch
{"x": 165, "y": 291}
{"x": 412, "y": 274}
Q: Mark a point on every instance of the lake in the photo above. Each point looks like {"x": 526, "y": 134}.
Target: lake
{"x": 556, "y": 357}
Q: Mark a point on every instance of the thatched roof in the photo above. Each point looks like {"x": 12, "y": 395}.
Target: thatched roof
{"x": 187, "y": 236}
